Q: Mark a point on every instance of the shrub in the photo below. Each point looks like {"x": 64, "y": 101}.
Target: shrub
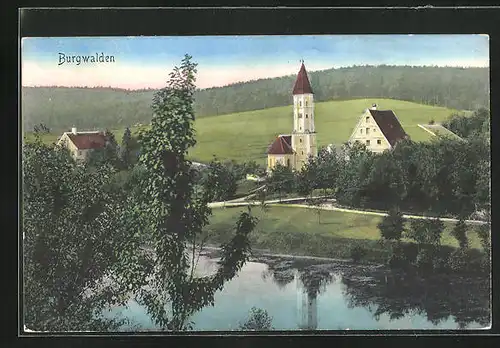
{"x": 258, "y": 320}
{"x": 431, "y": 122}
{"x": 357, "y": 253}
{"x": 426, "y": 259}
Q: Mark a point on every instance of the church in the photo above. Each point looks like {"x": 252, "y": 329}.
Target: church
{"x": 293, "y": 150}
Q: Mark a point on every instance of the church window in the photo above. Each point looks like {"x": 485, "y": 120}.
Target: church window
{"x": 288, "y": 162}
{"x": 302, "y": 152}
{"x": 367, "y": 130}
{"x": 300, "y": 128}
{"x": 367, "y": 118}
{"x": 300, "y": 140}
{"x": 368, "y": 142}
{"x": 307, "y": 116}
{"x": 306, "y": 102}
{"x": 361, "y": 130}
{"x": 300, "y": 103}
{"x": 379, "y": 142}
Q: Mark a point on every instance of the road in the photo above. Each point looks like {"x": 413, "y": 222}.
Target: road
{"x": 288, "y": 202}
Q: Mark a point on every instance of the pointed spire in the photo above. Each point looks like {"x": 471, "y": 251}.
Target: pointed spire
{"x": 302, "y": 85}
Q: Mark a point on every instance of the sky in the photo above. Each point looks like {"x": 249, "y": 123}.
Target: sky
{"x": 145, "y": 62}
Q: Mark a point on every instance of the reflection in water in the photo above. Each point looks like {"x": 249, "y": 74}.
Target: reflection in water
{"x": 313, "y": 283}
{"x": 437, "y": 298}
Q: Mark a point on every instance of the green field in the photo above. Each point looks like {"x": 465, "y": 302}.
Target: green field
{"x": 246, "y": 136}
{"x": 297, "y": 230}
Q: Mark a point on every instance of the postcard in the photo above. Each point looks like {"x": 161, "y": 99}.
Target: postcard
{"x": 256, "y": 183}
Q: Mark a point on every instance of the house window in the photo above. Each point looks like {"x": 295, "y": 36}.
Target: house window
{"x": 288, "y": 162}
{"x": 302, "y": 152}
{"x": 300, "y": 140}
{"x": 361, "y": 130}
{"x": 367, "y": 130}
{"x": 374, "y": 130}
{"x": 367, "y": 118}
{"x": 300, "y": 115}
{"x": 306, "y": 102}
{"x": 300, "y": 128}
{"x": 300, "y": 103}
{"x": 368, "y": 142}
{"x": 307, "y": 116}
{"x": 379, "y": 142}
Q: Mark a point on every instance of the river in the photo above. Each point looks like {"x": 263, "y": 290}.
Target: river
{"x": 334, "y": 295}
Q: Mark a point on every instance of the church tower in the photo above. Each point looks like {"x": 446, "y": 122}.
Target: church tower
{"x": 304, "y": 133}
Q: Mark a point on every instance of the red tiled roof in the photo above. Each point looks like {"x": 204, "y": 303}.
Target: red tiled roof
{"x": 389, "y": 125}
{"x": 281, "y": 146}
{"x": 85, "y": 141}
{"x": 302, "y": 85}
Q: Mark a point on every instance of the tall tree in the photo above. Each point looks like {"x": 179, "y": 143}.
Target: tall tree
{"x": 79, "y": 254}
{"x": 126, "y": 148}
{"x": 460, "y": 233}
{"x": 392, "y": 226}
{"x": 281, "y": 180}
{"x": 176, "y": 215}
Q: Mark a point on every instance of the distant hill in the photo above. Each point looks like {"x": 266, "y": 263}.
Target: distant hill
{"x": 246, "y": 136}
{"x": 87, "y": 108}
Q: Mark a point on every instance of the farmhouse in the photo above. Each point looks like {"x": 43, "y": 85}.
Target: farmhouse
{"x": 293, "y": 150}
{"x": 379, "y": 130}
{"x": 80, "y": 144}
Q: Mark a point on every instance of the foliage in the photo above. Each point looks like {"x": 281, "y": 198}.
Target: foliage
{"x": 258, "y": 320}
{"x": 426, "y": 231}
{"x": 281, "y": 180}
{"x": 357, "y": 253}
{"x": 446, "y": 86}
{"x": 79, "y": 254}
{"x": 392, "y": 226}
{"x": 220, "y": 180}
{"x": 175, "y": 214}
{"x": 126, "y": 148}
{"x": 469, "y": 126}
{"x": 460, "y": 233}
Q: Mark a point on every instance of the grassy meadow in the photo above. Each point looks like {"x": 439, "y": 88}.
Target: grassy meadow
{"x": 245, "y": 136}
{"x": 298, "y": 231}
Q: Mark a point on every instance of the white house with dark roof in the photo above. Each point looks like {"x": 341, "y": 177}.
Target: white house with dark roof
{"x": 80, "y": 144}
{"x": 379, "y": 130}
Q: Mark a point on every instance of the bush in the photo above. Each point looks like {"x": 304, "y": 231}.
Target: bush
{"x": 258, "y": 320}
{"x": 426, "y": 259}
{"x": 357, "y": 253}
{"x": 431, "y": 122}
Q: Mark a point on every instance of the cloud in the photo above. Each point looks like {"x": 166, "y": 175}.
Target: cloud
{"x": 134, "y": 76}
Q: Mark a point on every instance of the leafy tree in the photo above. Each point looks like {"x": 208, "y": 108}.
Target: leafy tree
{"x": 220, "y": 181}
{"x": 426, "y": 231}
{"x": 392, "y": 226}
{"x": 79, "y": 254}
{"x": 460, "y": 233}
{"x": 280, "y": 180}
{"x": 175, "y": 215}
{"x": 258, "y": 320}
{"x": 108, "y": 155}
{"x": 126, "y": 148}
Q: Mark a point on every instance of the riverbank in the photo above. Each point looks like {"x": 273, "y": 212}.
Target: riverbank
{"x": 301, "y": 232}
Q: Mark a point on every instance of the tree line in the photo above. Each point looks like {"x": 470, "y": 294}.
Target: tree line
{"x": 61, "y": 107}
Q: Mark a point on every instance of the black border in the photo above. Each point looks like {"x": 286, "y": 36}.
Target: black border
{"x": 260, "y": 21}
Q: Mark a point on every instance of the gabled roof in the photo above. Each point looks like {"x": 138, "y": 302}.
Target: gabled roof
{"x": 281, "y": 146}
{"x": 302, "y": 85}
{"x": 389, "y": 125}
{"x": 86, "y": 141}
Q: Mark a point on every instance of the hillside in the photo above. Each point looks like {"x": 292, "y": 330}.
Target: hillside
{"x": 246, "y": 136}
{"x": 60, "y": 108}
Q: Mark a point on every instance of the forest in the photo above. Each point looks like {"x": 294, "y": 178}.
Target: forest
{"x": 61, "y": 107}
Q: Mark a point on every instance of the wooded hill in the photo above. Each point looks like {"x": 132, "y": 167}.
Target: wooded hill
{"x": 61, "y": 107}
